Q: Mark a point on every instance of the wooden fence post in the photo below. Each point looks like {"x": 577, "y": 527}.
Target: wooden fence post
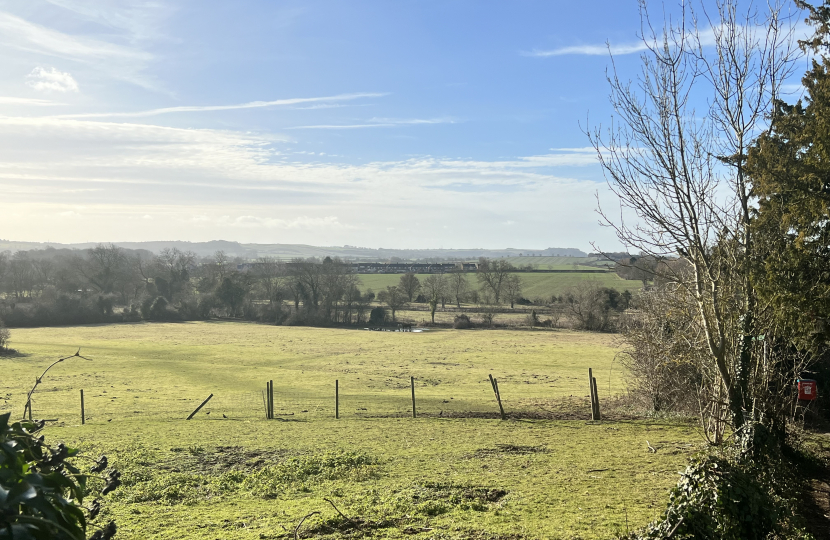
{"x": 271, "y": 398}
{"x": 596, "y": 399}
{"x": 495, "y": 384}
{"x": 336, "y": 399}
{"x": 199, "y": 407}
{"x": 83, "y": 417}
{"x": 593, "y": 397}
{"x": 267, "y": 400}
{"x": 412, "y": 385}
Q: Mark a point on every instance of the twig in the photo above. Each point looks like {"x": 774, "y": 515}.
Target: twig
{"x": 300, "y": 524}
{"x": 651, "y": 448}
{"x": 344, "y": 516}
{"x": 38, "y": 380}
{"x": 674, "y": 529}
{"x": 625, "y": 508}
{"x": 597, "y": 470}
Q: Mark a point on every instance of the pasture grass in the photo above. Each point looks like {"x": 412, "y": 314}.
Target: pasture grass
{"x": 559, "y": 263}
{"x": 456, "y": 471}
{"x": 541, "y": 285}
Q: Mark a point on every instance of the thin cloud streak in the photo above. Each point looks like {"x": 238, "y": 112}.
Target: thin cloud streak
{"x": 707, "y": 39}
{"x": 24, "y": 35}
{"x": 589, "y": 50}
{"x": 8, "y": 100}
{"x": 380, "y": 123}
{"x": 206, "y": 108}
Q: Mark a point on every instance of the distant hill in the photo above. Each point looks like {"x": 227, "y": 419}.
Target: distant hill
{"x": 291, "y": 251}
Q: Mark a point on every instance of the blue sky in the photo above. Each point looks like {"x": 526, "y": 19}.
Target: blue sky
{"x": 377, "y": 124}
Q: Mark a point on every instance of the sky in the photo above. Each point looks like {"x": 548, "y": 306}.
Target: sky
{"x": 405, "y": 124}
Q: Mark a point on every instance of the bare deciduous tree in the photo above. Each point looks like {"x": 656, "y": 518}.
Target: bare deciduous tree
{"x": 512, "y": 289}
{"x": 491, "y": 275}
{"x": 458, "y": 285}
{"x": 435, "y": 288}
{"x": 681, "y": 170}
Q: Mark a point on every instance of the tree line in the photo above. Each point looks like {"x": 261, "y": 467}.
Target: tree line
{"x": 108, "y": 283}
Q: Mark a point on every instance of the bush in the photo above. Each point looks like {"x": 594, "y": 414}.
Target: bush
{"x": 207, "y": 302}
{"x": 42, "y": 489}
{"x": 157, "y": 309}
{"x": 131, "y": 314}
{"x": 58, "y": 310}
{"x": 462, "y": 322}
{"x": 297, "y": 318}
{"x": 189, "y": 309}
{"x": 5, "y": 335}
{"x": 733, "y": 495}
{"x": 377, "y": 315}
{"x": 105, "y": 303}
{"x": 662, "y": 368}
{"x": 593, "y": 307}
{"x": 273, "y": 314}
{"x": 251, "y": 311}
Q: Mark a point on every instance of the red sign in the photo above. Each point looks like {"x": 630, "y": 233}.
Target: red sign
{"x": 807, "y": 389}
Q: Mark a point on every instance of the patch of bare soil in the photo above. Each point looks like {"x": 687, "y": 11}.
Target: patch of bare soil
{"x": 815, "y": 507}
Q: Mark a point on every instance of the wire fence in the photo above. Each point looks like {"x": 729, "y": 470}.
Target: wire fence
{"x": 297, "y": 400}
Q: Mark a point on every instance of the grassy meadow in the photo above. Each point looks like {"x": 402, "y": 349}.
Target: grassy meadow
{"x": 456, "y": 471}
{"x": 541, "y": 285}
{"x": 559, "y": 262}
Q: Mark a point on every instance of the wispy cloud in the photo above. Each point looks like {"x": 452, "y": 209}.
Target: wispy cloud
{"x": 112, "y": 60}
{"x": 24, "y": 35}
{"x": 707, "y": 36}
{"x": 301, "y": 222}
{"x": 139, "y": 19}
{"x": 321, "y": 106}
{"x": 205, "y": 108}
{"x": 8, "y": 100}
{"x": 379, "y": 123}
{"x": 118, "y": 172}
{"x": 589, "y": 50}
{"x": 46, "y": 80}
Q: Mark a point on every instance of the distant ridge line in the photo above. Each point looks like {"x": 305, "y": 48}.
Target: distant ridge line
{"x": 290, "y": 251}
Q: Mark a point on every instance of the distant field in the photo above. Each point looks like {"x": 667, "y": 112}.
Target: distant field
{"x": 534, "y": 285}
{"x": 454, "y": 472}
{"x": 558, "y": 263}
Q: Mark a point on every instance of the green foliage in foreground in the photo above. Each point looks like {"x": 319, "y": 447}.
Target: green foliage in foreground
{"x": 735, "y": 494}
{"x": 41, "y": 491}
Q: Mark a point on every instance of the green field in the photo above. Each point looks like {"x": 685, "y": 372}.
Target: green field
{"x": 535, "y": 285}
{"x": 559, "y": 263}
{"x": 456, "y": 471}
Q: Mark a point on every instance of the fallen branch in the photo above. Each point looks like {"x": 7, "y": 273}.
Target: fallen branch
{"x": 300, "y": 524}
{"x": 344, "y": 516}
